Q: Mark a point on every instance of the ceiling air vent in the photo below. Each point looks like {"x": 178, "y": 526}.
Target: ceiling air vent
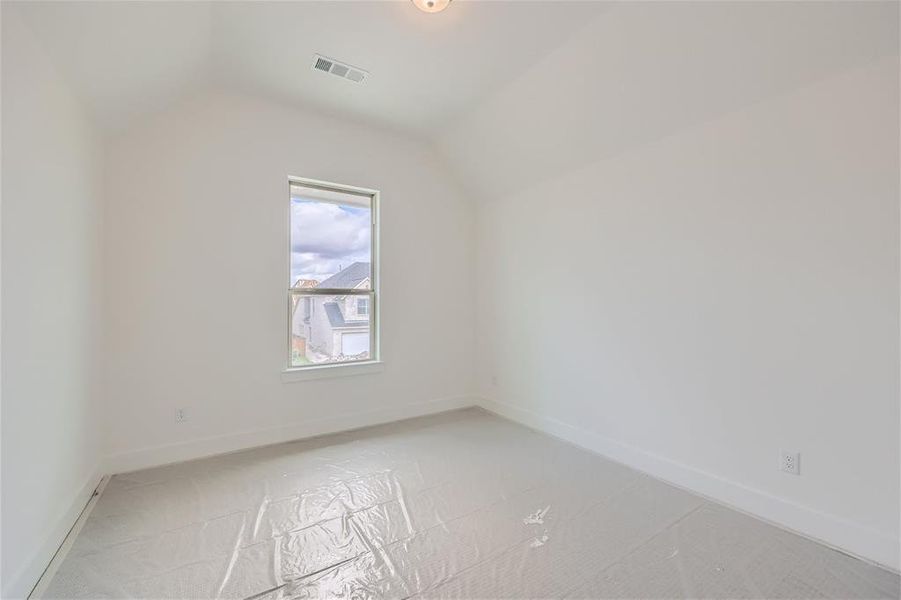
{"x": 339, "y": 69}
{"x": 322, "y": 64}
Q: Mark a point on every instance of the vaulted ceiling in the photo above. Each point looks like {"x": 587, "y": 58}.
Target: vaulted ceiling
{"x": 509, "y": 92}
{"x": 642, "y": 71}
{"x": 128, "y": 58}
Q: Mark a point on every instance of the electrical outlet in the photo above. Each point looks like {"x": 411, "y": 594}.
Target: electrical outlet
{"x": 790, "y": 462}
{"x": 180, "y": 415}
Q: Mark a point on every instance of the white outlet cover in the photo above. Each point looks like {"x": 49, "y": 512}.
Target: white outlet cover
{"x": 181, "y": 415}
{"x": 790, "y": 462}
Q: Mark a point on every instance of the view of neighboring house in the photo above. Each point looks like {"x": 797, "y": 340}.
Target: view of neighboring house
{"x": 302, "y": 283}
{"x": 326, "y": 328}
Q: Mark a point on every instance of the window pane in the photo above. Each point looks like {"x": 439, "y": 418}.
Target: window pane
{"x": 329, "y": 329}
{"x": 331, "y": 244}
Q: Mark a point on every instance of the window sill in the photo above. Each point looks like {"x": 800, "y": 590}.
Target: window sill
{"x": 329, "y": 371}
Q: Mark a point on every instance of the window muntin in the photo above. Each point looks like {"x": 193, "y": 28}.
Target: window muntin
{"x": 332, "y": 274}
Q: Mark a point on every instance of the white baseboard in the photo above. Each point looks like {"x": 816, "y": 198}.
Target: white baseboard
{"x": 172, "y": 453}
{"x": 831, "y": 530}
{"x": 21, "y": 585}
{"x": 44, "y": 582}
{"x": 839, "y": 533}
{"x": 43, "y": 560}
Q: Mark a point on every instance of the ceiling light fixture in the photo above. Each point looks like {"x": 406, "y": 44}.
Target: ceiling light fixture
{"x": 431, "y": 6}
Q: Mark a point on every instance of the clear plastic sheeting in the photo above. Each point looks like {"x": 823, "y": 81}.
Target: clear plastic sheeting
{"x": 458, "y": 505}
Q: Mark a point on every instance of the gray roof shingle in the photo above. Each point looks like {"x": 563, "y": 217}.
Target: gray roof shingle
{"x": 349, "y": 278}
{"x": 336, "y": 317}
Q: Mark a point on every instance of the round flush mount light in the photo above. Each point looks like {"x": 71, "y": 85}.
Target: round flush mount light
{"x": 431, "y": 6}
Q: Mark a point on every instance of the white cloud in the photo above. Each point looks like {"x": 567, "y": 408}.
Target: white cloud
{"x": 326, "y": 238}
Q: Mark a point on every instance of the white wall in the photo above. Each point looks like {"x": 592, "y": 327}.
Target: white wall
{"x": 712, "y": 188}
{"x": 692, "y": 303}
{"x": 50, "y": 266}
{"x": 644, "y": 70}
{"x": 196, "y": 272}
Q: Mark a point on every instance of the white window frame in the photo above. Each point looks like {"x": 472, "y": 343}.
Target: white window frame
{"x": 366, "y": 305}
{"x": 373, "y": 293}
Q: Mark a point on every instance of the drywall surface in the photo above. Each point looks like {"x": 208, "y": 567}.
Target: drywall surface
{"x": 694, "y": 304}
{"x": 643, "y": 70}
{"x": 51, "y": 216}
{"x": 197, "y": 275}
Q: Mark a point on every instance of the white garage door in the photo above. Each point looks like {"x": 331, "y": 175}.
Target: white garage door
{"x": 354, "y": 343}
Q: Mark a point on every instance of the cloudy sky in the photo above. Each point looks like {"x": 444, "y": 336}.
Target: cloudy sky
{"x": 327, "y": 237}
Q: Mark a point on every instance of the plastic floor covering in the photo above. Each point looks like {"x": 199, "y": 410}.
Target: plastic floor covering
{"x": 458, "y": 505}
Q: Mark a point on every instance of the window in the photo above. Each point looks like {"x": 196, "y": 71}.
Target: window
{"x": 333, "y": 278}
